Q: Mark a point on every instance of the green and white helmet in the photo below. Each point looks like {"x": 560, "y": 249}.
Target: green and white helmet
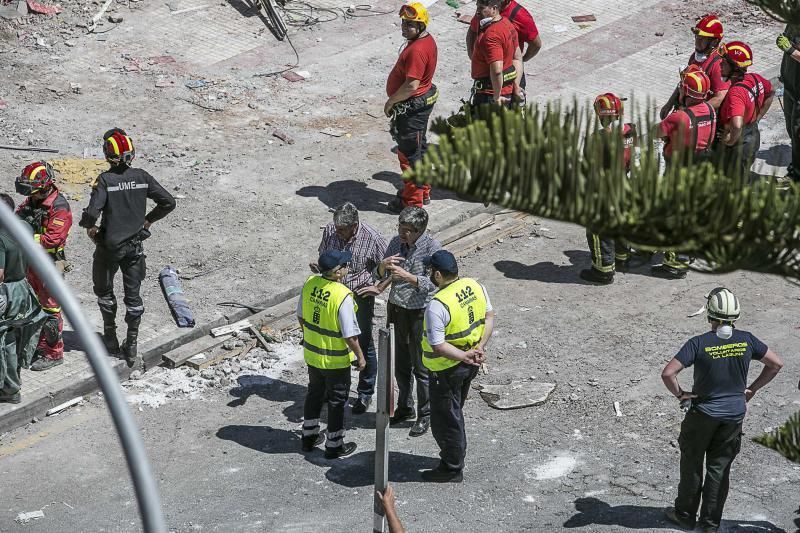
{"x": 722, "y": 305}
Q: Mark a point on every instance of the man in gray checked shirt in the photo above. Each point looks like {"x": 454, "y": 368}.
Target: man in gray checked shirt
{"x": 411, "y": 291}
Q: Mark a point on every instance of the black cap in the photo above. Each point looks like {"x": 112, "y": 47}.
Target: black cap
{"x": 332, "y": 259}
{"x": 443, "y": 261}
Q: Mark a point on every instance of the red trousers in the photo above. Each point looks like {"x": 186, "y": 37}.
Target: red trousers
{"x": 411, "y": 193}
{"x": 51, "y": 341}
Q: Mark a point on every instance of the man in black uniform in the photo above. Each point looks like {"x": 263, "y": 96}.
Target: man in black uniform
{"x": 120, "y": 195}
{"x": 712, "y": 429}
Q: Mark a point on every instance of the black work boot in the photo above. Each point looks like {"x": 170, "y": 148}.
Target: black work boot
{"x": 684, "y": 520}
{"x": 110, "y": 340}
{"x": 595, "y": 276}
{"x": 667, "y": 272}
{"x": 129, "y": 346}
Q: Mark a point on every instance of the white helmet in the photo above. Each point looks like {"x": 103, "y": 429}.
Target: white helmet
{"x": 722, "y": 305}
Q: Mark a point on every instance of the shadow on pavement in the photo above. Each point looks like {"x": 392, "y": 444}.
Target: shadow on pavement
{"x": 273, "y": 390}
{"x": 592, "y": 511}
{"x": 276, "y": 390}
{"x": 396, "y": 180}
{"x": 548, "y": 271}
{"x": 336, "y": 193}
{"x": 262, "y": 438}
{"x": 779, "y": 155}
{"x": 354, "y": 471}
{"x": 72, "y": 342}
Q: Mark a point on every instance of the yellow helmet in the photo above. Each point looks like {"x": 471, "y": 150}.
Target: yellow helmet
{"x": 415, "y": 12}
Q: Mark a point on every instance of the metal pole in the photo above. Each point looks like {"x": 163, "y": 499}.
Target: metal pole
{"x": 384, "y": 408}
{"x": 141, "y": 474}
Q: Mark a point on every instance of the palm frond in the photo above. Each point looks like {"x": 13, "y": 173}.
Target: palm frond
{"x": 785, "y": 440}
{"x": 546, "y": 163}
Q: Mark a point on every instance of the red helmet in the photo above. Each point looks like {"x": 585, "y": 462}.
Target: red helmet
{"x": 608, "y": 105}
{"x": 118, "y": 148}
{"x": 708, "y": 26}
{"x": 38, "y": 176}
{"x": 696, "y": 84}
{"x": 737, "y": 53}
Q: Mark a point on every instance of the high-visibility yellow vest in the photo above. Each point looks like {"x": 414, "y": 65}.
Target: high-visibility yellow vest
{"x": 323, "y": 344}
{"x": 466, "y": 303}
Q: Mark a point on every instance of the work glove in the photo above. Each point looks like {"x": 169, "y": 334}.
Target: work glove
{"x": 784, "y": 44}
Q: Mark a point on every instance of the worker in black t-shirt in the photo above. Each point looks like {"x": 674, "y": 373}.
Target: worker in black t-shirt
{"x": 712, "y": 429}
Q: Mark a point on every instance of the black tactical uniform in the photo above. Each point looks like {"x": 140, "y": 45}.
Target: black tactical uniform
{"x": 120, "y": 196}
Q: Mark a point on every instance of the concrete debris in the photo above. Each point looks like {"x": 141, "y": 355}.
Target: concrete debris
{"x": 283, "y": 136}
{"x": 333, "y": 132}
{"x": 292, "y": 76}
{"x": 163, "y": 384}
{"x": 96, "y": 18}
{"x": 195, "y": 84}
{"x": 66, "y": 405}
{"x": 114, "y": 19}
{"x": 41, "y": 9}
{"x": 24, "y": 518}
{"x": 161, "y": 60}
{"x": 163, "y": 83}
{"x": 516, "y": 395}
{"x": 14, "y": 10}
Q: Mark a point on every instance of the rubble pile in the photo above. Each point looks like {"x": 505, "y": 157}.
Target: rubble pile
{"x": 159, "y": 385}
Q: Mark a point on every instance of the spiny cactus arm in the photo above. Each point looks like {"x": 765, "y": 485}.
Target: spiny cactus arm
{"x": 781, "y": 10}
{"x": 546, "y": 164}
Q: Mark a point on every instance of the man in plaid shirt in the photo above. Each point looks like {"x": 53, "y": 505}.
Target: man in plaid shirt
{"x": 411, "y": 291}
{"x": 368, "y": 247}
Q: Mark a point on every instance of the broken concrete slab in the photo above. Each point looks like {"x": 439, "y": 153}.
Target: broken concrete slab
{"x": 13, "y": 10}
{"x": 36, "y": 7}
{"x": 24, "y": 518}
{"x": 516, "y": 395}
{"x": 283, "y": 136}
{"x": 292, "y": 76}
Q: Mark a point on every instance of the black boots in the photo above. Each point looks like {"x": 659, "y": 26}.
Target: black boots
{"x": 128, "y": 347}
{"x": 593, "y": 275}
{"x": 129, "y": 344}
{"x": 109, "y": 339}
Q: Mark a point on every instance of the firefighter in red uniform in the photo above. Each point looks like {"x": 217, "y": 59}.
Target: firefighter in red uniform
{"x": 708, "y": 34}
{"x": 49, "y": 214}
{"x": 496, "y": 58}
{"x": 411, "y": 95}
{"x": 688, "y": 134}
{"x": 747, "y": 101}
{"x": 527, "y": 33}
{"x": 610, "y": 255}
{"x": 692, "y": 127}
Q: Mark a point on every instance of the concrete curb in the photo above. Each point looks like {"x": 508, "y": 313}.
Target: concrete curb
{"x": 37, "y": 404}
